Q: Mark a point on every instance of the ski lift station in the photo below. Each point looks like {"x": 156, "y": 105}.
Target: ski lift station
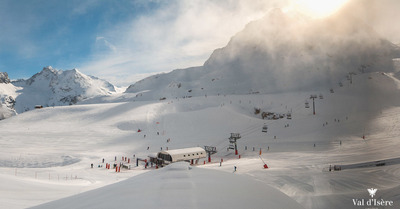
{"x": 166, "y": 157}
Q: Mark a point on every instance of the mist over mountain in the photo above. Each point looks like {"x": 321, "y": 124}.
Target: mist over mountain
{"x": 278, "y": 53}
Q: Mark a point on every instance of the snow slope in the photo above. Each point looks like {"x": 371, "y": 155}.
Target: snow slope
{"x": 49, "y": 151}
{"x": 181, "y": 186}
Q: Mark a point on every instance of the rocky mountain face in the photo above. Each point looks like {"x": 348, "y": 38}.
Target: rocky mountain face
{"x": 52, "y": 87}
{"x": 7, "y": 97}
{"x": 4, "y": 78}
{"x": 280, "y": 52}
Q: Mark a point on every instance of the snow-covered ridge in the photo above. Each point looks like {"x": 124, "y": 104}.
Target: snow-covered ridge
{"x": 52, "y": 87}
{"x": 280, "y": 53}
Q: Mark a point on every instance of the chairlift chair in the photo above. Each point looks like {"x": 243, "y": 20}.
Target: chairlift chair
{"x": 265, "y": 128}
{"x": 307, "y": 104}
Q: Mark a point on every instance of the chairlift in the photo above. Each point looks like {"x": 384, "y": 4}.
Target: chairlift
{"x": 331, "y": 90}
{"x": 307, "y": 104}
{"x": 340, "y": 84}
{"x": 265, "y": 128}
{"x": 289, "y": 115}
{"x": 321, "y": 96}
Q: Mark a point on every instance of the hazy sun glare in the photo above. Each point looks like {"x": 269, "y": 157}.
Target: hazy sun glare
{"x": 318, "y": 8}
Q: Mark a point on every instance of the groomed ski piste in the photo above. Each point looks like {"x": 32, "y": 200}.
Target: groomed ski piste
{"x": 47, "y": 153}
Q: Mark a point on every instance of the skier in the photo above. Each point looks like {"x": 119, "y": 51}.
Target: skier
{"x": 234, "y": 168}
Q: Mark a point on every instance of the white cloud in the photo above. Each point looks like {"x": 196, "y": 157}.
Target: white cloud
{"x": 81, "y": 7}
{"x": 103, "y": 44}
{"x": 178, "y": 35}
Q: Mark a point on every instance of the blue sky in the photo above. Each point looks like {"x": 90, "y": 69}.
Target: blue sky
{"x": 63, "y": 34}
{"x": 120, "y": 40}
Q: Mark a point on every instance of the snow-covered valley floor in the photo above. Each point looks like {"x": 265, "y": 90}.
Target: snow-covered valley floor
{"x": 47, "y": 153}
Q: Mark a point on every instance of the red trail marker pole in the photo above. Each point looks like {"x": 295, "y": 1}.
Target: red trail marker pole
{"x": 265, "y": 165}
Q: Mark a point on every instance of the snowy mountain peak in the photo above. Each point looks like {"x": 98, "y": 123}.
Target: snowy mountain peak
{"x": 74, "y": 71}
{"x": 4, "y": 78}
{"x": 52, "y": 87}
{"x": 49, "y": 69}
{"x": 275, "y": 16}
